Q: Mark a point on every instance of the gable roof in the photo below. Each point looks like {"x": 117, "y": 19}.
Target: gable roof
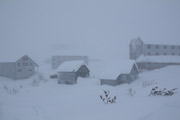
{"x": 71, "y": 66}
{"x": 160, "y": 59}
{"x": 26, "y": 57}
{"x": 14, "y": 58}
{"x": 113, "y": 68}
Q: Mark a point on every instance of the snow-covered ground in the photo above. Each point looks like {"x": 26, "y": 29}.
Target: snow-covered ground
{"x": 47, "y": 100}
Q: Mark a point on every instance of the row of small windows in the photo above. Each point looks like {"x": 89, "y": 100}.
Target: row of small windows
{"x": 163, "y": 53}
{"x": 165, "y": 47}
{"x": 20, "y": 70}
{"x": 24, "y": 64}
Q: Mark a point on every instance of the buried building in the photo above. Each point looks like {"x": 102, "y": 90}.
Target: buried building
{"x": 145, "y": 63}
{"x": 22, "y": 68}
{"x": 69, "y": 71}
{"x": 153, "y": 56}
{"x": 123, "y": 72}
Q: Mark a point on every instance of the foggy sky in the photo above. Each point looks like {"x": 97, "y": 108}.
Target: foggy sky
{"x": 98, "y": 28}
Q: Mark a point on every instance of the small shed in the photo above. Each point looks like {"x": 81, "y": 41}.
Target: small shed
{"x": 69, "y": 71}
{"x": 120, "y": 72}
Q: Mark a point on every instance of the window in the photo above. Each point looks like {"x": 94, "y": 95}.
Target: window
{"x": 172, "y": 46}
{"x": 25, "y": 58}
{"x": 179, "y": 54}
{"x": 165, "y": 53}
{"x": 157, "y": 46}
{"x": 157, "y": 53}
{"x": 149, "y": 53}
{"x": 165, "y": 46}
{"x": 18, "y": 64}
{"x": 123, "y": 77}
{"x": 172, "y": 53}
{"x": 19, "y": 70}
{"x": 179, "y": 47}
{"x": 30, "y": 70}
{"x": 25, "y": 64}
{"x": 149, "y": 46}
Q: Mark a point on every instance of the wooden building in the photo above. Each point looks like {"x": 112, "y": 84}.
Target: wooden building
{"x": 22, "y": 68}
{"x": 122, "y": 72}
{"x": 69, "y": 71}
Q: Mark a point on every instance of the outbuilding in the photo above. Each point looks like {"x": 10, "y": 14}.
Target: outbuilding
{"x": 69, "y": 71}
{"x": 120, "y": 72}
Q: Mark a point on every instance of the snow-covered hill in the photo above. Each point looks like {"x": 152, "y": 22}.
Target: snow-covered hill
{"x": 38, "y": 99}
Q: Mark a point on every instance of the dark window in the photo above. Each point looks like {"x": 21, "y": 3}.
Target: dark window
{"x": 149, "y": 46}
{"x": 149, "y": 53}
{"x": 165, "y": 46}
{"x": 157, "y": 46}
{"x": 172, "y": 46}
{"x": 172, "y": 54}
{"x": 18, "y": 64}
{"x": 25, "y": 64}
{"x": 19, "y": 70}
{"x": 30, "y": 64}
{"x": 157, "y": 53}
{"x": 25, "y": 58}
{"x": 30, "y": 70}
{"x": 165, "y": 53}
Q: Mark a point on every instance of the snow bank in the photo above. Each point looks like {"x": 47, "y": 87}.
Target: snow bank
{"x": 51, "y": 101}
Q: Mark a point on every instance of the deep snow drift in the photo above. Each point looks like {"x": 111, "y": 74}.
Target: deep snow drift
{"x": 39, "y": 99}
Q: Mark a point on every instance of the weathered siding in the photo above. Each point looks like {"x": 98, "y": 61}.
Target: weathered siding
{"x": 83, "y": 71}
{"x": 21, "y": 69}
{"x": 108, "y": 82}
{"x": 123, "y": 78}
{"x": 129, "y": 77}
{"x": 7, "y": 69}
{"x": 67, "y": 78}
{"x": 58, "y": 60}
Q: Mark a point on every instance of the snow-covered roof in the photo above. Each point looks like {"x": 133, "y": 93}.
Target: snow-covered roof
{"x": 71, "y": 66}
{"x": 162, "y": 59}
{"x": 113, "y": 68}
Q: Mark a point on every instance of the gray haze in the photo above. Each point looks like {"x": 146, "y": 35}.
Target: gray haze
{"x": 98, "y": 28}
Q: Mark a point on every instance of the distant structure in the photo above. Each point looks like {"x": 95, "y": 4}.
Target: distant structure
{"x": 145, "y": 63}
{"x": 23, "y": 68}
{"x": 153, "y": 56}
{"x": 58, "y": 60}
{"x": 69, "y": 71}
{"x": 126, "y": 74}
{"x": 138, "y": 48}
